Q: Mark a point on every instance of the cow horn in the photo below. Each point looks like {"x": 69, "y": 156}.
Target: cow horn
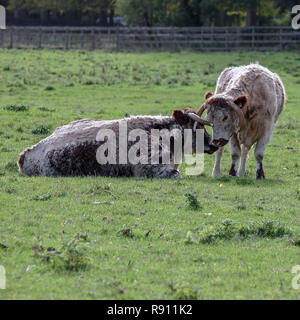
{"x": 196, "y": 118}
{"x": 240, "y": 115}
{"x": 202, "y": 109}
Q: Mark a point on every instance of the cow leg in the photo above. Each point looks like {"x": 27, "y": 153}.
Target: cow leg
{"x": 156, "y": 171}
{"x": 259, "y": 155}
{"x": 217, "y": 166}
{"x": 167, "y": 172}
{"x": 235, "y": 150}
{"x": 244, "y": 156}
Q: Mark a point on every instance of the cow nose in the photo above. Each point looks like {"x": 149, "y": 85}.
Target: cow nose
{"x": 212, "y": 149}
{"x": 220, "y": 142}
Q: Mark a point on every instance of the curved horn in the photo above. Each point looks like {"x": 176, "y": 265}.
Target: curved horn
{"x": 240, "y": 115}
{"x": 202, "y": 109}
{"x": 195, "y": 117}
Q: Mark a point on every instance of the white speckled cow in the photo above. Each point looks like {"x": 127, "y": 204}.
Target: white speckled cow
{"x": 72, "y": 149}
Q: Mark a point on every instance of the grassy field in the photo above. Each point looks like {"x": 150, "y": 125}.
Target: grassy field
{"x": 101, "y": 238}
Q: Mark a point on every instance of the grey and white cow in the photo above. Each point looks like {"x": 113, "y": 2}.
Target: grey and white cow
{"x": 243, "y": 111}
{"x": 72, "y": 149}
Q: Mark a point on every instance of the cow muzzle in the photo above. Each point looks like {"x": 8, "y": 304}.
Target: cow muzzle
{"x": 220, "y": 142}
{"x": 211, "y": 149}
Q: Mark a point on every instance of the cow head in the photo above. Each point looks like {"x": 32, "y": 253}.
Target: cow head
{"x": 189, "y": 119}
{"x": 225, "y": 114}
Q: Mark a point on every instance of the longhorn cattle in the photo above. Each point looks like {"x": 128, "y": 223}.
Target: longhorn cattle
{"x": 243, "y": 111}
{"x": 75, "y": 149}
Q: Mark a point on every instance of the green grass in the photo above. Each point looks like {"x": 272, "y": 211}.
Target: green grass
{"x": 101, "y": 238}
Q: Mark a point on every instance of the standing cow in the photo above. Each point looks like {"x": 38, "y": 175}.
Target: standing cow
{"x": 243, "y": 111}
{"x": 72, "y": 150}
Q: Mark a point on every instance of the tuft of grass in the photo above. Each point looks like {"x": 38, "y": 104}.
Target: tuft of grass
{"x": 224, "y": 230}
{"x": 41, "y": 130}
{"x": 182, "y": 292}
{"x": 44, "y": 109}
{"x": 49, "y": 88}
{"x": 44, "y": 197}
{"x": 192, "y": 201}
{"x": 16, "y": 108}
{"x": 227, "y": 230}
{"x": 265, "y": 229}
{"x": 70, "y": 256}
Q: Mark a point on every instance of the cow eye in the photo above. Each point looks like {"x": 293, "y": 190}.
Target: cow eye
{"x": 225, "y": 118}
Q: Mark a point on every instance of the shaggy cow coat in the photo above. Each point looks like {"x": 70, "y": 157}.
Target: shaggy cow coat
{"x": 71, "y": 150}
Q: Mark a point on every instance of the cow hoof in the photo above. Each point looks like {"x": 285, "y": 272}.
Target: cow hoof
{"x": 260, "y": 175}
{"x": 215, "y": 174}
{"x": 232, "y": 171}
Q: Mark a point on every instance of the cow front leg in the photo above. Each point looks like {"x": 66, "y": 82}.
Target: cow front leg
{"x": 167, "y": 172}
{"x": 217, "y": 166}
{"x": 244, "y": 156}
{"x": 235, "y": 150}
{"x": 156, "y": 171}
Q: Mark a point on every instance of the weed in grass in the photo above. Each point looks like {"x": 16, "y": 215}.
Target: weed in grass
{"x": 227, "y": 230}
{"x": 9, "y": 190}
{"x": 265, "y": 229}
{"x": 16, "y": 108}
{"x": 3, "y": 246}
{"x": 44, "y": 109}
{"x": 183, "y": 292}
{"x": 49, "y": 88}
{"x": 71, "y": 255}
{"x": 189, "y": 238}
{"x": 44, "y": 197}
{"x": 242, "y": 206}
{"x": 295, "y": 240}
{"x": 41, "y": 130}
{"x": 193, "y": 202}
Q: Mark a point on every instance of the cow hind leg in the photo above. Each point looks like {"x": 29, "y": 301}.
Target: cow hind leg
{"x": 259, "y": 155}
{"x": 235, "y": 150}
{"x": 217, "y": 166}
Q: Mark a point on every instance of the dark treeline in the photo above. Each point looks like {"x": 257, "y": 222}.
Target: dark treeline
{"x": 149, "y": 12}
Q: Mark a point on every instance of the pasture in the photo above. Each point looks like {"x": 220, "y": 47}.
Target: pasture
{"x": 125, "y": 238}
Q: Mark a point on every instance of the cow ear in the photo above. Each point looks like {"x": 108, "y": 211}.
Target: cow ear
{"x": 208, "y": 95}
{"x": 242, "y": 101}
{"x": 180, "y": 117}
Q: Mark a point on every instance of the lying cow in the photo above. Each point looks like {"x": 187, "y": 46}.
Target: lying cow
{"x": 244, "y": 109}
{"x": 75, "y": 150}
